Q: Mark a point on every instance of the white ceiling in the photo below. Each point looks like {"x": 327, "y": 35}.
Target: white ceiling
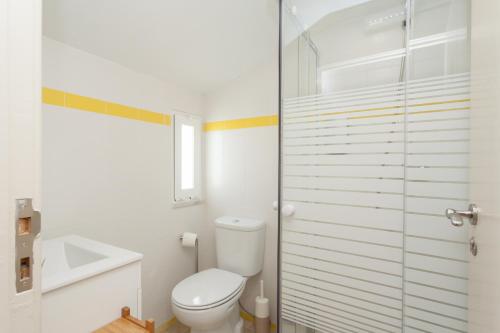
{"x": 309, "y": 12}
{"x": 201, "y": 44}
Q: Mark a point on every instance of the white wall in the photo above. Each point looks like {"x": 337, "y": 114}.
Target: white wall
{"x": 242, "y": 169}
{"x": 110, "y": 178}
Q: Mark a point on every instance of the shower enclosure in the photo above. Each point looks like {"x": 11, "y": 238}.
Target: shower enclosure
{"x": 374, "y": 145}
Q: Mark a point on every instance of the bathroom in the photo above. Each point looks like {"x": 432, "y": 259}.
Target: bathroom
{"x": 118, "y": 172}
{"x": 254, "y": 166}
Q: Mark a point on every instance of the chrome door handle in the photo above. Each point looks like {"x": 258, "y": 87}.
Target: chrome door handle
{"x": 457, "y": 217}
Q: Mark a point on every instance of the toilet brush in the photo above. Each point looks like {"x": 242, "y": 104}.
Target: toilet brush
{"x": 262, "y": 322}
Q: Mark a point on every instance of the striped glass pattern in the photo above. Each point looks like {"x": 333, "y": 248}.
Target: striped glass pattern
{"x": 370, "y": 172}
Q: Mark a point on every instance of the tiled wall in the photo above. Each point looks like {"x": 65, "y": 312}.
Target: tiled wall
{"x": 242, "y": 166}
{"x": 107, "y": 165}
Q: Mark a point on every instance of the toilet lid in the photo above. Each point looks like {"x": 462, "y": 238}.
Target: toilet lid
{"x": 207, "y": 288}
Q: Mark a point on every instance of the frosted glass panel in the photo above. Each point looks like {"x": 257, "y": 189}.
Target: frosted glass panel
{"x": 436, "y": 254}
{"x": 371, "y": 162}
{"x": 187, "y": 157}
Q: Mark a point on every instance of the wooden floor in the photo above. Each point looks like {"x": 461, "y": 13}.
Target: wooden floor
{"x": 248, "y": 326}
{"x": 180, "y": 328}
{"x": 128, "y": 324}
{"x": 121, "y": 326}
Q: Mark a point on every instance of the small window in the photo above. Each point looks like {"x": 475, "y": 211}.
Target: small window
{"x": 187, "y": 159}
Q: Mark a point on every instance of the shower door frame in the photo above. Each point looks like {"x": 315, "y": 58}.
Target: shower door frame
{"x": 280, "y": 107}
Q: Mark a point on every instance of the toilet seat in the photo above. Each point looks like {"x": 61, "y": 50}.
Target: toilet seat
{"x": 207, "y": 289}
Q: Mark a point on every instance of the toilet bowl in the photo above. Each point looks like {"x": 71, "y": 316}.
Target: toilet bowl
{"x": 208, "y": 301}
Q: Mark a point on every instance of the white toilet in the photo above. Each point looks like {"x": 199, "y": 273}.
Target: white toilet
{"x": 208, "y": 301}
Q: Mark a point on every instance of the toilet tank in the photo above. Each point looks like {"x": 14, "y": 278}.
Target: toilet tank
{"x": 240, "y": 244}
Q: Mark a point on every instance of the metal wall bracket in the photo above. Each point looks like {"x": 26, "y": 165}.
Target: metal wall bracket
{"x": 27, "y": 228}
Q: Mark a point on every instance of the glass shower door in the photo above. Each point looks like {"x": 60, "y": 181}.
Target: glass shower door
{"x": 343, "y": 170}
{"x": 370, "y": 161}
{"x": 437, "y": 167}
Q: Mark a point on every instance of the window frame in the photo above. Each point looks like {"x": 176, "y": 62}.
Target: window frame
{"x": 192, "y": 196}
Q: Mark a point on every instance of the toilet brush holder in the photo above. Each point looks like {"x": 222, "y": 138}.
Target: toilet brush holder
{"x": 262, "y": 321}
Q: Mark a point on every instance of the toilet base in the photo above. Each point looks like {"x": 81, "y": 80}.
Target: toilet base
{"x": 233, "y": 324}
{"x": 239, "y": 326}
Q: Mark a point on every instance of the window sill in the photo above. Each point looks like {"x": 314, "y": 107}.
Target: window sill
{"x": 186, "y": 203}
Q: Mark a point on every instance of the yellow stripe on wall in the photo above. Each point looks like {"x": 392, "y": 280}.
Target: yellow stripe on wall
{"x": 85, "y": 103}
{"x": 89, "y": 104}
{"x": 53, "y": 97}
{"x": 241, "y": 123}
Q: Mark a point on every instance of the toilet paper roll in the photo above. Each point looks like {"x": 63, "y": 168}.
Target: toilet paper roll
{"x": 189, "y": 239}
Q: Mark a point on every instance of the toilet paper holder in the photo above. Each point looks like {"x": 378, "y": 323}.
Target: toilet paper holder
{"x": 181, "y": 238}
